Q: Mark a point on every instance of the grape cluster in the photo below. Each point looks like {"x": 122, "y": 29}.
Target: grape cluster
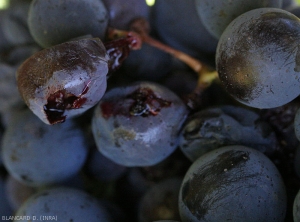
{"x": 118, "y": 111}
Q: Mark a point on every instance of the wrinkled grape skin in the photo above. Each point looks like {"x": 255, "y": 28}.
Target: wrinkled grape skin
{"x": 72, "y": 66}
{"x": 67, "y": 204}
{"x": 258, "y": 59}
{"x": 226, "y": 125}
{"x": 233, "y": 183}
{"x": 53, "y": 22}
{"x": 217, "y": 14}
{"x": 136, "y": 140}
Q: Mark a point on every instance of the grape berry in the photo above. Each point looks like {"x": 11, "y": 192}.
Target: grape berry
{"x": 179, "y": 112}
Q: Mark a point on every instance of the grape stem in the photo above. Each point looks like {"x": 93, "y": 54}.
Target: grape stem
{"x": 193, "y": 63}
{"x": 139, "y": 31}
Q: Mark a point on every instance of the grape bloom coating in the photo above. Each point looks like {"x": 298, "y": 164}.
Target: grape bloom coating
{"x": 257, "y": 58}
{"x": 64, "y": 80}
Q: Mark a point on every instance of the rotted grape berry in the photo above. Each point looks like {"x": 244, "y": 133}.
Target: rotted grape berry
{"x": 226, "y": 125}
{"x": 232, "y": 183}
{"x": 138, "y": 125}
{"x": 258, "y": 58}
{"x": 64, "y": 80}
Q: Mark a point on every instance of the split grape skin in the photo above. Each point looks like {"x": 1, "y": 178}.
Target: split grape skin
{"x": 75, "y": 101}
{"x": 138, "y": 124}
{"x": 75, "y": 72}
{"x": 70, "y": 78}
{"x": 64, "y": 80}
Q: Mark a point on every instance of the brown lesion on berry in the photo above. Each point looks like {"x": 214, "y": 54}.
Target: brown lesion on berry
{"x": 146, "y": 103}
{"x": 60, "y": 101}
{"x": 140, "y": 102}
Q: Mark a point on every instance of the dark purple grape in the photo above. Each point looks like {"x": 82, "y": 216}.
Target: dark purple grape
{"x": 37, "y": 154}
{"x": 14, "y": 23}
{"x": 17, "y": 55}
{"x": 9, "y": 94}
{"x": 64, "y": 80}
{"x": 187, "y": 34}
{"x": 63, "y": 204}
{"x": 138, "y": 125}
{"x": 232, "y": 183}
{"x": 147, "y": 64}
{"x": 217, "y": 14}
{"x": 4, "y": 43}
{"x": 180, "y": 81}
{"x": 98, "y": 165}
{"x": 53, "y": 22}
{"x": 258, "y": 58}
{"x": 121, "y": 13}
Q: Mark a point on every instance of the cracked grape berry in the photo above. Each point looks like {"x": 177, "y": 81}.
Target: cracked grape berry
{"x": 258, "y": 58}
{"x": 138, "y": 124}
{"x": 64, "y": 80}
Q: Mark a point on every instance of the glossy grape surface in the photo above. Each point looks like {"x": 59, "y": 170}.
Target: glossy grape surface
{"x": 64, "y": 80}
{"x": 137, "y": 125}
{"x": 258, "y": 58}
{"x": 53, "y": 22}
{"x": 217, "y": 14}
{"x": 233, "y": 183}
